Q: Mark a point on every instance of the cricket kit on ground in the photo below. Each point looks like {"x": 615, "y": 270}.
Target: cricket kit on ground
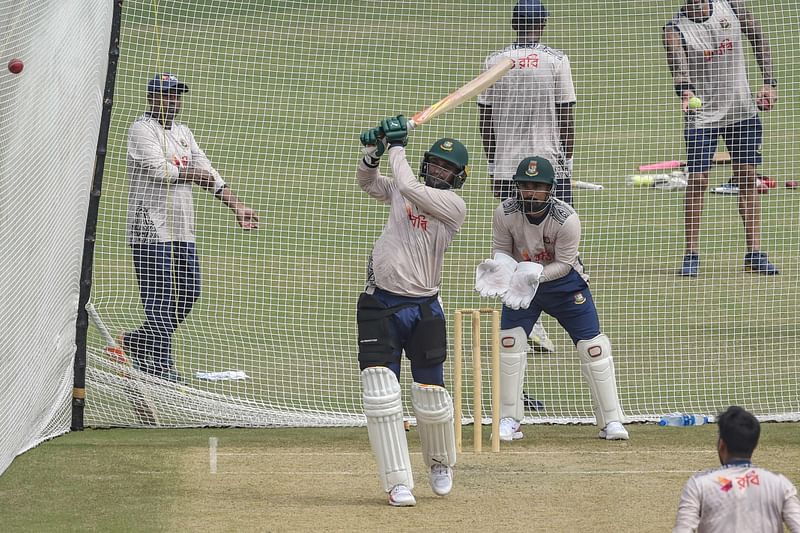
{"x": 738, "y": 497}
{"x": 400, "y": 312}
{"x": 160, "y": 231}
{"x": 524, "y": 104}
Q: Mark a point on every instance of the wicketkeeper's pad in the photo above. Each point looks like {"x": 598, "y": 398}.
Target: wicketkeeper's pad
{"x": 513, "y": 363}
{"x": 597, "y": 367}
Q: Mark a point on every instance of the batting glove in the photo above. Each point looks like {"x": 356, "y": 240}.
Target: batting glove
{"x": 396, "y": 130}
{"x": 373, "y": 142}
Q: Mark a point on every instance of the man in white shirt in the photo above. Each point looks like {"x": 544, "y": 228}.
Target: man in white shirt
{"x": 164, "y": 161}
{"x": 528, "y": 111}
{"x": 400, "y": 311}
{"x": 704, "y": 42}
{"x": 738, "y": 496}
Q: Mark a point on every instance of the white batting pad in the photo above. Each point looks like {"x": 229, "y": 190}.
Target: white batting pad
{"x": 513, "y": 363}
{"x": 383, "y": 407}
{"x": 434, "y": 410}
{"x": 597, "y": 367}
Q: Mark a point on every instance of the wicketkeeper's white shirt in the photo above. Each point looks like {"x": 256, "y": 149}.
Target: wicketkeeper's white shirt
{"x": 738, "y": 498}
{"x": 160, "y": 209}
{"x": 524, "y": 103}
{"x": 552, "y": 243}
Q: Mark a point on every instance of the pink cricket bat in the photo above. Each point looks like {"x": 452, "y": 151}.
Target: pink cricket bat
{"x": 719, "y": 159}
{"x": 663, "y": 165}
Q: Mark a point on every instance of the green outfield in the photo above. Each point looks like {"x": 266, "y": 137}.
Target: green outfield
{"x": 278, "y": 98}
{"x": 557, "y": 479}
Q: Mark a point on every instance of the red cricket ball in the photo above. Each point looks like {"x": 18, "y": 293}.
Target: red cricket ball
{"x": 15, "y": 66}
{"x": 792, "y": 184}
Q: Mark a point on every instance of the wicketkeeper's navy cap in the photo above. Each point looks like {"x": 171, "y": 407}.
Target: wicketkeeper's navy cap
{"x": 165, "y": 82}
{"x": 528, "y": 12}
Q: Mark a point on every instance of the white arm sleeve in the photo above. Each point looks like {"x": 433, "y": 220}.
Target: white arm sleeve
{"x": 502, "y": 241}
{"x": 372, "y": 183}
{"x": 688, "y": 516}
{"x": 199, "y": 158}
{"x": 565, "y": 89}
{"x": 566, "y": 250}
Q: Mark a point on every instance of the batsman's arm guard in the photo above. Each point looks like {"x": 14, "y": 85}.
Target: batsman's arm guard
{"x": 434, "y": 409}
{"x": 597, "y": 367}
{"x": 383, "y": 407}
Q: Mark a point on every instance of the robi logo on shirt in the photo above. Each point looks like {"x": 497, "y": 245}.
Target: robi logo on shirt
{"x": 724, "y": 47}
{"x": 182, "y": 162}
{"x": 417, "y": 221}
{"x": 529, "y": 61}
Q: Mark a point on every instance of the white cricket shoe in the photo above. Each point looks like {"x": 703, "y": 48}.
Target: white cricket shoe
{"x": 441, "y": 479}
{"x": 509, "y": 430}
{"x": 614, "y": 431}
{"x": 541, "y": 342}
{"x": 400, "y": 496}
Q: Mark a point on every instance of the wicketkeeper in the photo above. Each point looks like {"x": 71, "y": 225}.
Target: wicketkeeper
{"x": 400, "y": 310}
{"x": 536, "y": 267}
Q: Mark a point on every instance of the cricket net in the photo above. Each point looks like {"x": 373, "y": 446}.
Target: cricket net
{"x": 49, "y": 122}
{"x": 279, "y": 92}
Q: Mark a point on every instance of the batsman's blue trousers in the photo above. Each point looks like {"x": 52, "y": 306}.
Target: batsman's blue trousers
{"x": 568, "y": 300}
{"x": 402, "y": 324}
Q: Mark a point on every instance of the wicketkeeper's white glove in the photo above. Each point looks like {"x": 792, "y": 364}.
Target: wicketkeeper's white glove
{"x": 523, "y": 285}
{"x": 493, "y": 275}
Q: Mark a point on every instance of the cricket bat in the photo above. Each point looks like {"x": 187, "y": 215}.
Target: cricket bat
{"x": 587, "y": 185}
{"x": 720, "y": 158}
{"x": 461, "y": 95}
{"x": 144, "y": 412}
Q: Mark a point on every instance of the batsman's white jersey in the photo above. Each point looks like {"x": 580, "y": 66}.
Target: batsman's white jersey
{"x": 408, "y": 257}
{"x": 524, "y": 103}
{"x": 160, "y": 207}
{"x": 736, "y": 498}
{"x": 717, "y": 69}
{"x": 553, "y": 242}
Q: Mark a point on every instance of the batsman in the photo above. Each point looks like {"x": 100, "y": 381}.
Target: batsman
{"x": 400, "y": 309}
{"x": 536, "y": 268}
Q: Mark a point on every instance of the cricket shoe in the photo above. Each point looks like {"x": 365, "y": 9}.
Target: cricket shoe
{"x": 400, "y": 496}
{"x": 758, "y": 263}
{"x": 614, "y": 431}
{"x": 541, "y": 342}
{"x": 509, "y": 430}
{"x": 441, "y": 479}
{"x": 762, "y": 186}
{"x": 726, "y": 188}
{"x": 690, "y": 267}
